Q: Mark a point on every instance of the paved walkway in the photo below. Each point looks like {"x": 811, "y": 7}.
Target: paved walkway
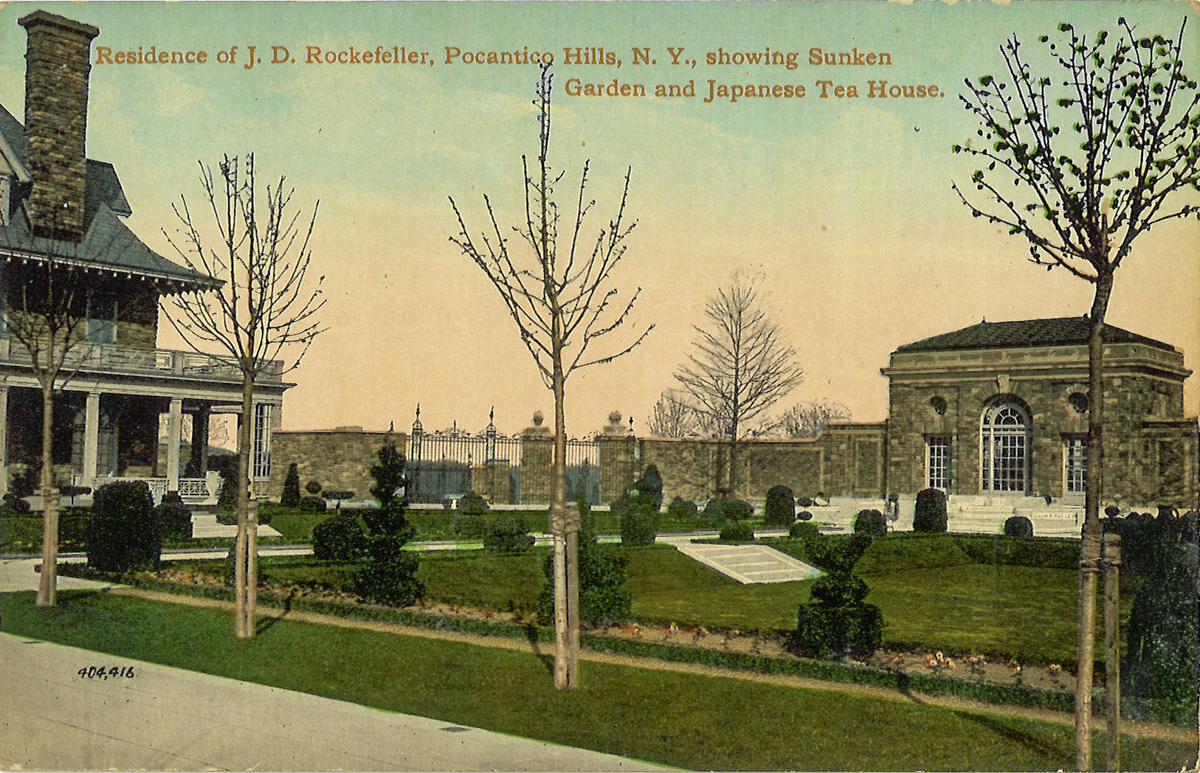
{"x": 170, "y": 719}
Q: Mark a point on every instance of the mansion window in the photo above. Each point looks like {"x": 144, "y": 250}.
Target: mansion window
{"x": 937, "y": 462}
{"x": 1075, "y": 464}
{"x": 1004, "y": 448}
{"x": 261, "y": 462}
{"x": 102, "y": 319}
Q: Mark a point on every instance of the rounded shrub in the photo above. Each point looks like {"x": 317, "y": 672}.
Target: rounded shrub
{"x": 174, "y": 518}
{"x": 681, "y": 509}
{"x": 15, "y": 505}
{"x": 870, "y": 522}
{"x": 123, "y": 532}
{"x": 472, "y": 504}
{"x": 804, "y": 515}
{"x": 737, "y": 510}
{"x": 313, "y": 487}
{"x": 291, "y": 487}
{"x": 468, "y": 526}
{"x": 339, "y": 538}
{"x": 650, "y": 487}
{"x": 507, "y": 534}
{"x": 603, "y": 597}
{"x": 803, "y": 530}
{"x": 805, "y": 501}
{"x": 737, "y": 531}
{"x": 1018, "y": 526}
{"x": 313, "y": 505}
{"x": 638, "y": 519}
{"x": 930, "y": 513}
{"x": 780, "y": 508}
{"x": 714, "y": 512}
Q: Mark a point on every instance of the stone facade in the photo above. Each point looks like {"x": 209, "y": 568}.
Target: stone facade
{"x": 941, "y": 394}
{"x": 337, "y": 459}
{"x": 1003, "y": 405}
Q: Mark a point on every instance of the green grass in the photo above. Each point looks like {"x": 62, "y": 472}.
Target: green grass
{"x": 673, "y": 719}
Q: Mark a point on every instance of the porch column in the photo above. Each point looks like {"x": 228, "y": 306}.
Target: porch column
{"x": 3, "y": 440}
{"x": 91, "y": 439}
{"x": 199, "y": 458}
{"x": 174, "y": 427}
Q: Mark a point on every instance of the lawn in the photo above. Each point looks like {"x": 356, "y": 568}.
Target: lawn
{"x": 993, "y": 610}
{"x": 673, "y": 719}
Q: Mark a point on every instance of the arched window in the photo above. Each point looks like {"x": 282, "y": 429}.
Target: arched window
{"x": 1004, "y": 445}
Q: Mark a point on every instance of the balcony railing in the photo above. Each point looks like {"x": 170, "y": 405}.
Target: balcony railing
{"x": 148, "y": 362}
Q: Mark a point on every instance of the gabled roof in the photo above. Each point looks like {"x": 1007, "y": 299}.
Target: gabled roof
{"x": 1024, "y": 333}
{"x": 108, "y": 244}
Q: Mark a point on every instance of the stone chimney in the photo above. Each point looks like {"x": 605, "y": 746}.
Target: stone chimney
{"x": 57, "y": 63}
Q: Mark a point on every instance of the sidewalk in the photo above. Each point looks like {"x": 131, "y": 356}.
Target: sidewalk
{"x": 166, "y": 718}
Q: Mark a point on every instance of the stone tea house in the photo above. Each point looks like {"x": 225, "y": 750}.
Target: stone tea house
{"x": 61, "y": 222}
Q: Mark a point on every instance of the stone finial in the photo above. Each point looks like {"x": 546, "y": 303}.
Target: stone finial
{"x": 538, "y": 418}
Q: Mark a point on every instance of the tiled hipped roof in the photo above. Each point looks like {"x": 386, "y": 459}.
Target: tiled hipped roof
{"x": 1062, "y": 331}
{"x": 108, "y": 243}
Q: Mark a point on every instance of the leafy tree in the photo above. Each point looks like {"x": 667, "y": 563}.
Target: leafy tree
{"x": 1081, "y": 152}
{"x": 738, "y": 367}
{"x": 559, "y": 294}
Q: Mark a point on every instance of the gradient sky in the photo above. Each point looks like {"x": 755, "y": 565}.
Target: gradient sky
{"x": 842, "y": 205}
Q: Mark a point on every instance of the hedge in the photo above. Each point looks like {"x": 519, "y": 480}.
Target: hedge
{"x": 897, "y": 552}
{"x": 1046, "y": 552}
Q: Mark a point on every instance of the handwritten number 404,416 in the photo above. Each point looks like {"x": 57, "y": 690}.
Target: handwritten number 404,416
{"x": 100, "y": 672}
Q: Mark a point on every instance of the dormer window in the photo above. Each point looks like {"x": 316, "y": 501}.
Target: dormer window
{"x": 102, "y": 320}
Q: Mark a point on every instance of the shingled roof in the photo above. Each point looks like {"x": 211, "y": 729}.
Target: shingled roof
{"x": 1061, "y": 331}
{"x": 108, "y": 243}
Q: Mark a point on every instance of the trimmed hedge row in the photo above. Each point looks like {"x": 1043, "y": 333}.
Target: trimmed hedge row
{"x": 1044, "y": 552}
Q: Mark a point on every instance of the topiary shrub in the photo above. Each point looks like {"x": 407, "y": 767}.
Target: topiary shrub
{"x": 638, "y": 519}
{"x": 804, "y": 515}
{"x": 291, "y": 487}
{"x": 174, "y": 518}
{"x": 507, "y": 534}
{"x": 803, "y": 530}
{"x": 313, "y": 505}
{"x": 390, "y": 574}
{"x": 714, "y": 513}
{"x": 780, "y": 508}
{"x": 870, "y": 522}
{"x": 603, "y": 597}
{"x": 15, "y": 505}
{"x": 472, "y": 504}
{"x": 737, "y": 531}
{"x": 838, "y": 620}
{"x": 123, "y": 532}
{"x": 339, "y": 538}
{"x": 1018, "y": 526}
{"x": 650, "y": 488}
{"x": 313, "y": 487}
{"x": 805, "y": 502}
{"x": 228, "y": 494}
{"x": 930, "y": 513}
{"x": 338, "y": 497}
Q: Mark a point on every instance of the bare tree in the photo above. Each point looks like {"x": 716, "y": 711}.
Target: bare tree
{"x": 739, "y": 368}
{"x": 46, "y": 317}
{"x": 1082, "y": 153}
{"x": 560, "y": 298}
{"x": 807, "y": 420}
{"x": 673, "y": 416}
{"x": 265, "y": 309}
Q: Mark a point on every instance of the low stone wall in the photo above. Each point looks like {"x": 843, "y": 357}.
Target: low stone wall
{"x": 338, "y": 459}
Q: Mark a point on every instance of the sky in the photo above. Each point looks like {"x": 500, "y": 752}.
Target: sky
{"x": 842, "y": 205}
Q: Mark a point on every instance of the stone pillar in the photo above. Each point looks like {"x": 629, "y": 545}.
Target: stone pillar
{"x": 537, "y": 455}
{"x": 3, "y": 440}
{"x": 174, "y": 428}
{"x": 91, "y": 439}
{"x": 199, "y": 440}
{"x": 616, "y": 448}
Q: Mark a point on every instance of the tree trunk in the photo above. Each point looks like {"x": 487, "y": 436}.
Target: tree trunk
{"x": 1089, "y": 549}
{"x": 243, "y": 611}
{"x": 47, "y": 585}
{"x": 1112, "y": 648}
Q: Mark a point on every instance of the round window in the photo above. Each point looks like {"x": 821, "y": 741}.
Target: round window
{"x": 1079, "y": 401}
{"x": 938, "y": 404}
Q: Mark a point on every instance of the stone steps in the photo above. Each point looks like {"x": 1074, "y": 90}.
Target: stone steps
{"x": 749, "y": 563}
